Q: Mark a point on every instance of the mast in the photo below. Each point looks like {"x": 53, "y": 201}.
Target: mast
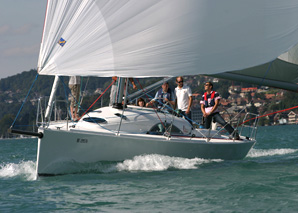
{"x": 51, "y": 99}
{"x": 119, "y": 93}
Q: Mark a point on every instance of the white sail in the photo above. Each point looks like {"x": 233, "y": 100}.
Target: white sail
{"x": 133, "y": 38}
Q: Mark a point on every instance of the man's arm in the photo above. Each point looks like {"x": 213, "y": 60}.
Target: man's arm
{"x": 175, "y": 103}
{"x": 189, "y": 100}
{"x": 171, "y": 102}
{"x": 189, "y": 104}
{"x": 203, "y": 110}
{"x": 133, "y": 83}
{"x": 215, "y": 106}
{"x": 150, "y": 103}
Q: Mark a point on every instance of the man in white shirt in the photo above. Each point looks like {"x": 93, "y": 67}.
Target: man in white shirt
{"x": 183, "y": 98}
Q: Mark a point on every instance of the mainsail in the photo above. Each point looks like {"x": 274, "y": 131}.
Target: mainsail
{"x": 280, "y": 73}
{"x": 133, "y": 38}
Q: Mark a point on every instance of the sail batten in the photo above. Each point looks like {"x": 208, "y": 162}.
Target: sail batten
{"x": 158, "y": 38}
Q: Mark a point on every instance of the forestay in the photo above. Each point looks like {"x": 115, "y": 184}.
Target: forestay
{"x": 164, "y": 37}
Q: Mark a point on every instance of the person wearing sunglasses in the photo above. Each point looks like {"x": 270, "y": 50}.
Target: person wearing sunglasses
{"x": 209, "y": 106}
{"x": 183, "y": 98}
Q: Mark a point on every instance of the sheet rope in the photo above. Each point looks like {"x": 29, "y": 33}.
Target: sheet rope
{"x": 97, "y": 99}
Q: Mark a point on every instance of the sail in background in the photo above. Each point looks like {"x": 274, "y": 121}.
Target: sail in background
{"x": 164, "y": 37}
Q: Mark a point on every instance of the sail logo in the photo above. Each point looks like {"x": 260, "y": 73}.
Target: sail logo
{"x": 61, "y": 42}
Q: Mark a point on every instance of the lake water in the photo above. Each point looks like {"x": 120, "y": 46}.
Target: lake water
{"x": 265, "y": 181}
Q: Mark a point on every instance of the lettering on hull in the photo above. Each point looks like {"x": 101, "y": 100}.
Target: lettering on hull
{"x": 82, "y": 140}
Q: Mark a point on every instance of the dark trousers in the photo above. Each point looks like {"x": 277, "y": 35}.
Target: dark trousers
{"x": 217, "y": 118}
{"x": 187, "y": 116}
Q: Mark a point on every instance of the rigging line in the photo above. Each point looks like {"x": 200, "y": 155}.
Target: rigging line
{"x": 84, "y": 91}
{"x": 123, "y": 108}
{"x": 261, "y": 84}
{"x": 81, "y": 85}
{"x": 169, "y": 107}
{"x": 263, "y": 79}
{"x": 24, "y": 101}
{"x": 164, "y": 104}
{"x": 266, "y": 73}
{"x": 66, "y": 92}
{"x": 269, "y": 114}
{"x": 97, "y": 99}
{"x": 149, "y": 96}
{"x": 146, "y": 94}
{"x": 143, "y": 89}
{"x": 234, "y": 118}
{"x": 67, "y": 88}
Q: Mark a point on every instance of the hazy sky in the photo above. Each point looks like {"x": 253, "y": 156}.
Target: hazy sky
{"x": 21, "y": 25}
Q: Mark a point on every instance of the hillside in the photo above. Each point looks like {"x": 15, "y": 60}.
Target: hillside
{"x": 14, "y": 89}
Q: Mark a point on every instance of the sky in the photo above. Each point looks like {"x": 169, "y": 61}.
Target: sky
{"x": 21, "y": 25}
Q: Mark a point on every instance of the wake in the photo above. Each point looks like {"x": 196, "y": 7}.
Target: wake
{"x": 255, "y": 153}
{"x": 23, "y": 169}
{"x": 149, "y": 163}
{"x": 156, "y": 162}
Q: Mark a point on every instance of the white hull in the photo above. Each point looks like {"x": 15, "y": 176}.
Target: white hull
{"x": 59, "y": 147}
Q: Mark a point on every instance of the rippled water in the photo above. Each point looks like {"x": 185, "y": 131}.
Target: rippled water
{"x": 265, "y": 181}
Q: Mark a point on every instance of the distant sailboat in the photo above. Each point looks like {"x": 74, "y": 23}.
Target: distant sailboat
{"x": 153, "y": 38}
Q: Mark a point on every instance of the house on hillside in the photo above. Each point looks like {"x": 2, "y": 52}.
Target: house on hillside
{"x": 234, "y": 89}
{"x": 269, "y": 96}
{"x": 292, "y": 118}
{"x": 280, "y": 119}
{"x": 98, "y": 91}
{"x": 249, "y": 89}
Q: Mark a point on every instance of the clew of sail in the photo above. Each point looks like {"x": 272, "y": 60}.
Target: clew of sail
{"x": 164, "y": 37}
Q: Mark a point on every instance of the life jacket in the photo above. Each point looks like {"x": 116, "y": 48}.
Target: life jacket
{"x": 161, "y": 96}
{"x": 212, "y": 102}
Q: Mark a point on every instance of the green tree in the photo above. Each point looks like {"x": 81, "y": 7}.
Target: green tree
{"x": 5, "y": 123}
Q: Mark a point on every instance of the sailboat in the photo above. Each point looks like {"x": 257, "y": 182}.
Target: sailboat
{"x": 152, "y": 38}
